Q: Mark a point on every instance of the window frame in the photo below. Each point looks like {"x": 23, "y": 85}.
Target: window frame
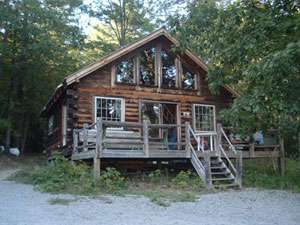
{"x": 214, "y": 119}
{"x": 134, "y": 70}
{"x": 174, "y": 56}
{"x": 182, "y": 65}
{"x": 138, "y": 67}
{"x": 112, "y": 98}
{"x": 51, "y": 128}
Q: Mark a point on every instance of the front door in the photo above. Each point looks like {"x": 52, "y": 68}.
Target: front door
{"x": 161, "y": 113}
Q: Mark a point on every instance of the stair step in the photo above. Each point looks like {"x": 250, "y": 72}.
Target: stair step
{"x": 220, "y": 173}
{"x": 233, "y": 185}
{"x": 222, "y": 179}
{"x": 217, "y": 167}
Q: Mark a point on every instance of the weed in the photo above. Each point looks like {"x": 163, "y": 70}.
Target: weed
{"x": 261, "y": 174}
{"x": 60, "y": 201}
{"x": 111, "y": 181}
{"x": 155, "y": 176}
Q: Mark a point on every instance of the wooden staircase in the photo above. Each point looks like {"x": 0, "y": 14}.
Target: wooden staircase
{"x": 215, "y": 168}
{"x": 221, "y": 176}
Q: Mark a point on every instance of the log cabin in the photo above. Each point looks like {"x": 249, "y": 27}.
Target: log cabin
{"x": 147, "y": 102}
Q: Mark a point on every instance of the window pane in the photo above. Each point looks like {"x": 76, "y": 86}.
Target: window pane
{"x": 109, "y": 109}
{"x": 188, "y": 78}
{"x": 147, "y": 67}
{"x": 124, "y": 71}
{"x": 168, "y": 69}
{"x": 204, "y": 118}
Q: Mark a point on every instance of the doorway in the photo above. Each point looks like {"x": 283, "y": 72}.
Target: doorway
{"x": 161, "y": 113}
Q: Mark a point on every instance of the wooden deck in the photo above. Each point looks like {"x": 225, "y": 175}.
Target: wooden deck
{"x": 259, "y": 152}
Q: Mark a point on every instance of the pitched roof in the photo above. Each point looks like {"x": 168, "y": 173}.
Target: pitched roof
{"x": 162, "y": 32}
{"x": 124, "y": 50}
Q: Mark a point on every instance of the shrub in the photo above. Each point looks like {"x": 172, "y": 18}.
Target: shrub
{"x": 187, "y": 180}
{"x": 111, "y": 181}
{"x": 262, "y": 174}
{"x": 61, "y": 176}
{"x": 155, "y": 176}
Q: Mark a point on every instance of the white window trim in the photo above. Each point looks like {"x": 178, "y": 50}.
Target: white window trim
{"x": 113, "y": 98}
{"x": 194, "y": 118}
{"x": 51, "y": 130}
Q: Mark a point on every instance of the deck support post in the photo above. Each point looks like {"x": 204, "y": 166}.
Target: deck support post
{"x": 207, "y": 168}
{"x": 239, "y": 168}
{"x": 75, "y": 141}
{"x": 85, "y": 137}
{"x": 281, "y": 159}
{"x": 98, "y": 150}
{"x": 252, "y": 150}
{"x": 146, "y": 138}
{"x": 187, "y": 139}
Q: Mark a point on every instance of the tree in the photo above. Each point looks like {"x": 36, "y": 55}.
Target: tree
{"x": 35, "y": 39}
{"x": 127, "y": 19}
{"x": 254, "y": 47}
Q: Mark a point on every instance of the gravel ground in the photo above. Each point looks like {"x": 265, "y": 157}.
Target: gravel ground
{"x": 21, "y": 205}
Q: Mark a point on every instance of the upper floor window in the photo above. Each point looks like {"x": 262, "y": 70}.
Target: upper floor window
{"x": 147, "y": 66}
{"x": 168, "y": 69}
{"x": 125, "y": 71}
{"x": 188, "y": 78}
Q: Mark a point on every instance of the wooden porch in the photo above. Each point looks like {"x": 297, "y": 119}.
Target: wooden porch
{"x": 212, "y": 154}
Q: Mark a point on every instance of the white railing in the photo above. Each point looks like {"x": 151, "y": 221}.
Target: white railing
{"x": 223, "y": 134}
{"x": 207, "y": 140}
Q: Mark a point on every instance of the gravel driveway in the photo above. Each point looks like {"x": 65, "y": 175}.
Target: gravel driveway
{"x": 20, "y": 204}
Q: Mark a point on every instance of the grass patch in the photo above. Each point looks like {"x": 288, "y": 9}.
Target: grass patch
{"x": 60, "y": 201}
{"x": 60, "y": 176}
{"x": 261, "y": 173}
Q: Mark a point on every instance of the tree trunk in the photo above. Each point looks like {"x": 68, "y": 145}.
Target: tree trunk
{"x": 8, "y": 137}
{"x": 25, "y": 134}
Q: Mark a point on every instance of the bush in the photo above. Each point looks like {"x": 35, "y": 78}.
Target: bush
{"x": 262, "y": 174}
{"x": 188, "y": 180}
{"x": 111, "y": 181}
{"x": 155, "y": 176}
{"x": 61, "y": 176}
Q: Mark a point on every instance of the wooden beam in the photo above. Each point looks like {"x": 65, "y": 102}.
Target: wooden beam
{"x": 281, "y": 156}
{"x": 146, "y": 137}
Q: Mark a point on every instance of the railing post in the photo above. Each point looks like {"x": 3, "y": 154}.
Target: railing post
{"x": 219, "y": 137}
{"x": 146, "y": 137}
{"x": 239, "y": 168}
{"x": 281, "y": 156}
{"x": 207, "y": 168}
{"x": 187, "y": 139}
{"x": 99, "y": 137}
{"x": 75, "y": 141}
{"x": 85, "y": 137}
{"x": 98, "y": 150}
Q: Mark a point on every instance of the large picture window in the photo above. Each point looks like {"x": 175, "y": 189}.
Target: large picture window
{"x": 109, "y": 109}
{"x": 187, "y": 78}
{"x": 204, "y": 118}
{"x": 147, "y": 66}
{"x": 125, "y": 71}
{"x": 168, "y": 69}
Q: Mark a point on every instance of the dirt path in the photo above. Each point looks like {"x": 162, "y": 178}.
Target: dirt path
{"x": 21, "y": 205}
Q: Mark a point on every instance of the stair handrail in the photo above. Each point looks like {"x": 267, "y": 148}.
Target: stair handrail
{"x": 231, "y": 146}
{"x": 228, "y": 160}
{"x": 199, "y": 146}
{"x": 196, "y": 160}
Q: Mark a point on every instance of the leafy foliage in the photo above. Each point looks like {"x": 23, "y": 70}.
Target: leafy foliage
{"x": 253, "y": 46}
{"x": 188, "y": 180}
{"x": 111, "y": 181}
{"x": 262, "y": 174}
{"x": 35, "y": 39}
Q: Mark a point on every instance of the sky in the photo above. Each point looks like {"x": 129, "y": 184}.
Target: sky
{"x": 87, "y": 23}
